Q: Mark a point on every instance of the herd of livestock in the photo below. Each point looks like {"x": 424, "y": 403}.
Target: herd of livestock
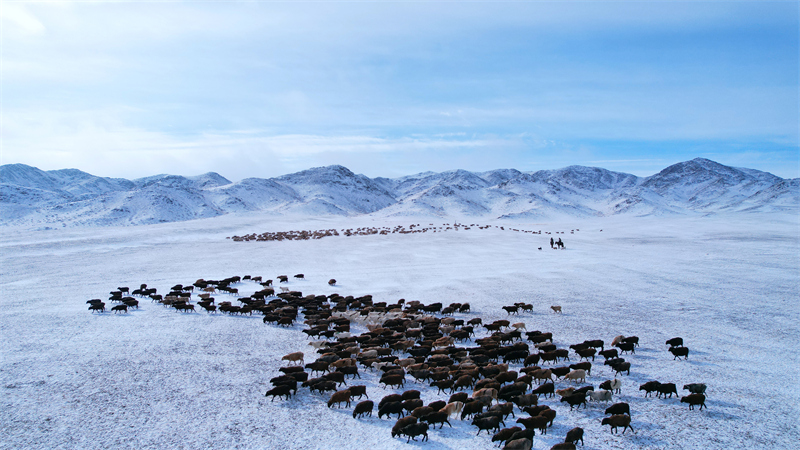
{"x": 300, "y": 235}
{"x": 506, "y": 367}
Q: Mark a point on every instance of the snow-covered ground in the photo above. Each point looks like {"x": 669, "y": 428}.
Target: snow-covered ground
{"x": 156, "y": 378}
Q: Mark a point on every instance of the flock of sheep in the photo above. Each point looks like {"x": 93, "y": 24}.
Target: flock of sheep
{"x": 506, "y": 367}
{"x": 410, "y": 342}
{"x": 366, "y": 231}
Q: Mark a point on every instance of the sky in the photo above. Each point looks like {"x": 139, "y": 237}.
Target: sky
{"x": 261, "y": 89}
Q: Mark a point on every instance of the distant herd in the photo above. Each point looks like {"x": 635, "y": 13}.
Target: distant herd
{"x": 367, "y": 231}
{"x": 408, "y": 341}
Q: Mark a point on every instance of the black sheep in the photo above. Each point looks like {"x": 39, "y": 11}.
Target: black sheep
{"x": 695, "y": 399}
{"x": 363, "y": 408}
{"x": 414, "y": 430}
{"x": 619, "y": 408}
{"x": 679, "y": 351}
{"x": 675, "y": 342}
{"x": 667, "y": 388}
{"x": 575, "y": 400}
{"x": 487, "y": 423}
{"x": 437, "y": 417}
{"x": 650, "y": 386}
{"x": 505, "y": 434}
{"x": 390, "y": 408}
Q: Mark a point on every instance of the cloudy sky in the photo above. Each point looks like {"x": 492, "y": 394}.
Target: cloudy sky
{"x": 259, "y": 89}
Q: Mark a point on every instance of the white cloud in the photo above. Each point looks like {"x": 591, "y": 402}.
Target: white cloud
{"x": 19, "y": 21}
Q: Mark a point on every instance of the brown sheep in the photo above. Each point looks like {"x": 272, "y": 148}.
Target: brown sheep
{"x": 294, "y": 357}
{"x": 340, "y": 397}
{"x": 534, "y": 423}
{"x": 574, "y": 435}
{"x": 618, "y": 420}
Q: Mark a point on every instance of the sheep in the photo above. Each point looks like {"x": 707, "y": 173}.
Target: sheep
{"x": 437, "y": 417}
{"x": 402, "y": 423}
{"x": 626, "y": 347}
{"x": 600, "y": 396}
{"x": 675, "y": 342}
{"x": 650, "y": 386}
{"x": 619, "y": 408}
{"x": 294, "y": 357}
{"x": 667, "y": 388}
{"x": 340, "y": 397}
{"x": 392, "y": 380}
{"x": 116, "y": 308}
{"x": 505, "y": 408}
{"x": 546, "y": 388}
{"x": 519, "y": 444}
{"x": 542, "y": 374}
{"x": 695, "y": 388}
{"x": 576, "y": 375}
{"x": 575, "y": 400}
{"x": 550, "y": 414}
{"x": 618, "y": 420}
{"x": 415, "y": 429}
{"x": 574, "y": 435}
{"x": 358, "y": 391}
{"x": 608, "y": 354}
{"x": 622, "y": 367}
{"x": 617, "y": 340}
{"x": 534, "y": 411}
{"x": 412, "y": 404}
{"x": 565, "y": 392}
{"x": 390, "y": 408}
{"x": 452, "y": 408}
{"x": 279, "y": 391}
{"x": 504, "y": 434}
{"x": 556, "y": 309}
{"x": 587, "y": 353}
{"x": 390, "y": 398}
{"x": 487, "y": 423}
{"x": 614, "y": 385}
{"x": 679, "y": 351}
{"x": 518, "y": 326}
{"x": 526, "y": 400}
{"x": 471, "y": 409}
{"x": 695, "y": 399}
{"x": 632, "y": 340}
{"x": 534, "y": 423}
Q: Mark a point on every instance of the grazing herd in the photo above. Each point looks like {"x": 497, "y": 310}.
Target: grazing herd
{"x": 499, "y": 370}
{"x": 300, "y": 235}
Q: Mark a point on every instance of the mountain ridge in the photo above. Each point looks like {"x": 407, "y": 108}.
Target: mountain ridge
{"x": 70, "y": 197}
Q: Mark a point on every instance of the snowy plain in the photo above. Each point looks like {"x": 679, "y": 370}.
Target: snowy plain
{"x": 155, "y": 378}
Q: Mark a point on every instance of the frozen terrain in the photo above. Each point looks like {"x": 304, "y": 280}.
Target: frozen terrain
{"x": 156, "y": 378}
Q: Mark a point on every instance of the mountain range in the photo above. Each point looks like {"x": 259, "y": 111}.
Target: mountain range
{"x": 70, "y": 197}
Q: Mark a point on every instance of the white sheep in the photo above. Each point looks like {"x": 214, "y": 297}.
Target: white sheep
{"x": 577, "y": 374}
{"x": 368, "y": 354}
{"x": 600, "y": 396}
{"x": 378, "y": 365}
{"x": 343, "y": 334}
{"x": 617, "y": 340}
{"x": 318, "y": 344}
{"x": 518, "y": 326}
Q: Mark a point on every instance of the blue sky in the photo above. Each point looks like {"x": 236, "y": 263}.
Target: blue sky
{"x": 260, "y": 89}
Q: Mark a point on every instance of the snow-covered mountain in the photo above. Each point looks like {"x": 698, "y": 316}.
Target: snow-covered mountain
{"x": 70, "y": 197}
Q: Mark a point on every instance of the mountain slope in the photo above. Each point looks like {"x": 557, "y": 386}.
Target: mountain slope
{"x": 70, "y": 197}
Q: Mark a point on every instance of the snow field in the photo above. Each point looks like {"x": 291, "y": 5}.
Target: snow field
{"x": 155, "y": 378}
